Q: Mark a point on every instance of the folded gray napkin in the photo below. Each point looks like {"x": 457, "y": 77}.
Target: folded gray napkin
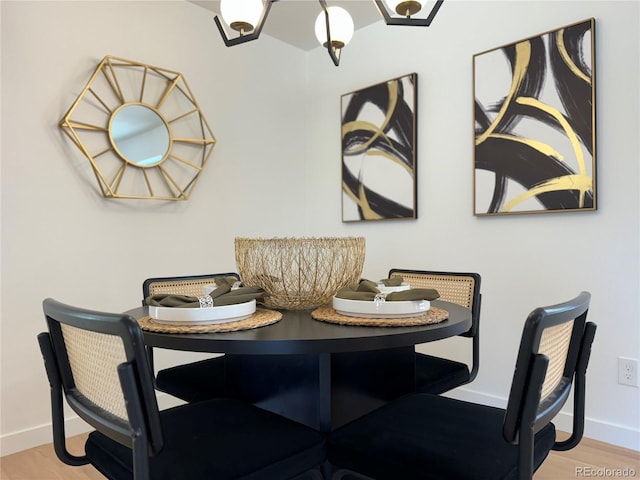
{"x": 222, "y": 295}
{"x": 367, "y": 290}
{"x": 392, "y": 282}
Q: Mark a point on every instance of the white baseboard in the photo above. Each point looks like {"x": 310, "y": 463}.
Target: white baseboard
{"x": 33, "y": 437}
{"x": 620, "y": 435}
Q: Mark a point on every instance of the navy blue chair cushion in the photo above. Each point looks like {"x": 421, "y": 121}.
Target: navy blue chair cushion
{"x": 438, "y": 375}
{"x": 235, "y": 438}
{"x": 193, "y": 382}
{"x": 431, "y": 438}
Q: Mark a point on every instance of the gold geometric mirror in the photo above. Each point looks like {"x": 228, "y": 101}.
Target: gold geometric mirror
{"x": 141, "y": 129}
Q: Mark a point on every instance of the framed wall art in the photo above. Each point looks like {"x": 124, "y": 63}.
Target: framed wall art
{"x": 379, "y": 151}
{"x": 534, "y": 115}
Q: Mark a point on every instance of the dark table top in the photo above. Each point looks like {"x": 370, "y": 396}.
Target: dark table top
{"x": 298, "y": 333}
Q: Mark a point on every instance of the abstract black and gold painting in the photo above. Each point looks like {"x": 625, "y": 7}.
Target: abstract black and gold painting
{"x": 379, "y": 151}
{"x": 534, "y": 116}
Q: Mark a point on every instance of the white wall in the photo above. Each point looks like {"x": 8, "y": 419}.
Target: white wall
{"x": 276, "y": 171}
{"x": 61, "y": 239}
{"x": 524, "y": 260}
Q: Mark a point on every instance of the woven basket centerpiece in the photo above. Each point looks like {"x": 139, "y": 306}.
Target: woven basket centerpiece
{"x": 299, "y": 273}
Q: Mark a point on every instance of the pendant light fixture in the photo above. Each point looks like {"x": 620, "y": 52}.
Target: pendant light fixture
{"x": 245, "y": 17}
{"x": 334, "y": 26}
{"x": 334, "y": 29}
{"x": 404, "y": 10}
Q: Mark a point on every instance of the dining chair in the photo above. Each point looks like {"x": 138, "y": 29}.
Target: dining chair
{"x": 192, "y": 381}
{"x": 98, "y": 361}
{"x": 438, "y": 374}
{"x": 434, "y": 437}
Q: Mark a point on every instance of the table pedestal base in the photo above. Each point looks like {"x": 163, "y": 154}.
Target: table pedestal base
{"x": 324, "y": 390}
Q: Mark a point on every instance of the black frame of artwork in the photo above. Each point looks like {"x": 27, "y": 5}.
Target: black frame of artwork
{"x": 534, "y": 117}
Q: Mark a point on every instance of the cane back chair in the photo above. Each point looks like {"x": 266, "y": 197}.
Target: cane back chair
{"x": 193, "y": 381}
{"x": 438, "y": 374}
{"x": 98, "y": 361}
{"x": 433, "y": 437}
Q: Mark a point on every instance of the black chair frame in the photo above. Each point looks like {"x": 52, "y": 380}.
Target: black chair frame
{"x": 525, "y": 414}
{"x": 474, "y": 332}
{"x": 147, "y": 287}
{"x": 528, "y": 412}
{"x": 143, "y": 434}
{"x": 105, "y": 354}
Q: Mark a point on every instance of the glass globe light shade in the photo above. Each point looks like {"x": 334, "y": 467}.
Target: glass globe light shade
{"x": 341, "y": 25}
{"x": 406, "y": 8}
{"x": 241, "y": 15}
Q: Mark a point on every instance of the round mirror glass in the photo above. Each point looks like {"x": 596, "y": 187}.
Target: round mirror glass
{"x": 139, "y": 135}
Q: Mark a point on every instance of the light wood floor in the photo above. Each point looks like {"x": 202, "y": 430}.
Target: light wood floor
{"x": 590, "y": 459}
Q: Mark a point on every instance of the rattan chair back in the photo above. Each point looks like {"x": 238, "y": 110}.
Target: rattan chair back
{"x": 551, "y": 356}
{"x": 93, "y": 360}
{"x": 554, "y": 343}
{"x": 190, "y": 285}
{"x": 98, "y": 361}
{"x": 186, "y": 285}
{"x": 460, "y": 288}
{"x": 452, "y": 288}
{"x": 434, "y": 436}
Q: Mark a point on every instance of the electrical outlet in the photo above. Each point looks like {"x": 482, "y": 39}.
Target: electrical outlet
{"x": 628, "y": 371}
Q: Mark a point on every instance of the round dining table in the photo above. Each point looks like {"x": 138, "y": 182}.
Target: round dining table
{"x": 319, "y": 373}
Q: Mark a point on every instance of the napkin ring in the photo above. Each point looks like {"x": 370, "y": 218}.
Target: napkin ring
{"x": 206, "y": 301}
{"x": 380, "y": 298}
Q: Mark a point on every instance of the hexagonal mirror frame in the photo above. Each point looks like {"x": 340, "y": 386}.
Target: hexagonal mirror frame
{"x": 175, "y": 148}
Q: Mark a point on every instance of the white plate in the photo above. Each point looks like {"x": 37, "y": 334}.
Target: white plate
{"x": 369, "y": 309}
{"x": 398, "y": 288}
{"x": 202, "y": 316}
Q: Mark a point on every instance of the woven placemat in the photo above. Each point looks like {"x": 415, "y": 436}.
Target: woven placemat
{"x": 328, "y": 314}
{"x": 260, "y": 318}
